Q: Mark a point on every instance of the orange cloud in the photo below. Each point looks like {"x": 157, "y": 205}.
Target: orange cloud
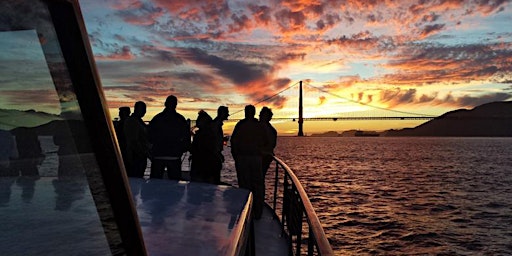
{"x": 321, "y": 100}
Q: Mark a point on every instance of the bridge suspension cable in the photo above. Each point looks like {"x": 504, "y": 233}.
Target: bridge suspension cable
{"x": 410, "y": 115}
{"x": 369, "y": 105}
{"x": 269, "y": 97}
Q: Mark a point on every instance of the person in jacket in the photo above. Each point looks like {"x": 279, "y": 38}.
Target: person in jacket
{"x": 169, "y": 134}
{"x": 137, "y": 143}
{"x": 247, "y": 142}
{"x": 203, "y": 151}
{"x": 218, "y": 122}
{"x": 271, "y": 134}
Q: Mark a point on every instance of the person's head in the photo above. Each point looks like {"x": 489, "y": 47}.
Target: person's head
{"x": 250, "y": 111}
{"x": 124, "y": 112}
{"x": 203, "y": 119}
{"x": 266, "y": 114}
{"x": 223, "y": 112}
{"x": 139, "y": 109}
{"x": 171, "y": 102}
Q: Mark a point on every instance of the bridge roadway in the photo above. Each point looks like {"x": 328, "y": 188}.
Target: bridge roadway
{"x": 353, "y": 118}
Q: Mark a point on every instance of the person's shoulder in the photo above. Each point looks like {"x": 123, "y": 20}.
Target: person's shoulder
{"x": 180, "y": 115}
{"x": 238, "y": 124}
{"x": 243, "y": 121}
{"x": 255, "y": 121}
{"x": 130, "y": 121}
{"x": 217, "y": 121}
{"x": 156, "y": 117}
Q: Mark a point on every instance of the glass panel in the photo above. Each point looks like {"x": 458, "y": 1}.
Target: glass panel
{"x": 46, "y": 160}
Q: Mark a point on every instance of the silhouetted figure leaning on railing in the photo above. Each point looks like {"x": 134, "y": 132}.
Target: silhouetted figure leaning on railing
{"x": 247, "y": 142}
{"x": 271, "y": 133}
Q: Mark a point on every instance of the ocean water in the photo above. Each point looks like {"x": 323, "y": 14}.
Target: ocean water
{"x": 396, "y": 196}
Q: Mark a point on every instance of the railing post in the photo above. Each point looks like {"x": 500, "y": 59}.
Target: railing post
{"x": 296, "y": 207}
{"x": 276, "y": 183}
{"x": 311, "y": 247}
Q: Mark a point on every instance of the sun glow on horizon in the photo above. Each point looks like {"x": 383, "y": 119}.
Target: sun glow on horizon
{"x": 426, "y": 58}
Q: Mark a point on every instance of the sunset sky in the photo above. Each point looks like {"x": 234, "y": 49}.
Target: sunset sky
{"x": 425, "y": 57}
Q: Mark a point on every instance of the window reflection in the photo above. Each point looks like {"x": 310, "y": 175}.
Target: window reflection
{"x": 46, "y": 203}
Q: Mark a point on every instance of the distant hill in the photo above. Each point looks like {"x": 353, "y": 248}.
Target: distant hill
{"x": 10, "y": 118}
{"x": 487, "y": 120}
{"x": 70, "y": 135}
{"x": 350, "y": 133}
{"x": 326, "y": 134}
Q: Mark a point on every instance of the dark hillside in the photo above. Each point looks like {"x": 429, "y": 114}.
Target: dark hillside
{"x": 488, "y": 120}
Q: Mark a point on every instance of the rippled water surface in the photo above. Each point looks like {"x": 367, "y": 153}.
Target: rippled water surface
{"x": 376, "y": 195}
{"x": 393, "y": 196}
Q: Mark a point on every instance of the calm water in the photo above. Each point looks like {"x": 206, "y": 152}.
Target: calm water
{"x": 392, "y": 196}
{"x": 442, "y": 196}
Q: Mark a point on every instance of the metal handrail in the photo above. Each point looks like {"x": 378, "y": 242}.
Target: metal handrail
{"x": 295, "y": 206}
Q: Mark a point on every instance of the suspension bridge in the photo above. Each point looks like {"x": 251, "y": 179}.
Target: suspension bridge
{"x": 344, "y": 108}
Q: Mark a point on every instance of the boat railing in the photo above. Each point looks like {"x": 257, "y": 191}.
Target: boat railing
{"x": 299, "y": 221}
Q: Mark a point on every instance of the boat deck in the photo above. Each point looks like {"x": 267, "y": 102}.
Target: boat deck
{"x": 189, "y": 218}
{"x": 269, "y": 239}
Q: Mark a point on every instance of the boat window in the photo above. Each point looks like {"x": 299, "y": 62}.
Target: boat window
{"x": 53, "y": 198}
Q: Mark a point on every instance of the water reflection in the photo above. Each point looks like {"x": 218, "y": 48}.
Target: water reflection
{"x": 30, "y": 155}
{"x": 5, "y": 190}
{"x": 158, "y": 200}
{"x": 27, "y": 184}
{"x": 67, "y": 191}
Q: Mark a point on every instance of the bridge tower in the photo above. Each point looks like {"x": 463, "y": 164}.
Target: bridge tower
{"x": 301, "y": 118}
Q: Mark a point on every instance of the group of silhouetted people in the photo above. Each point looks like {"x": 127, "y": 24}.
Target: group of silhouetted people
{"x": 163, "y": 141}
{"x": 168, "y": 136}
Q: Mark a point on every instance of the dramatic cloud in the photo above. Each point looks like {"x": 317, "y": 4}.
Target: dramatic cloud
{"x": 458, "y": 64}
{"x": 122, "y": 54}
{"x": 387, "y": 53}
{"x": 240, "y": 73}
{"x": 431, "y": 29}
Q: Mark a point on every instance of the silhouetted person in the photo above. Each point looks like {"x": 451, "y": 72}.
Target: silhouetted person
{"x": 7, "y": 152}
{"x": 7, "y": 177}
{"x": 124, "y": 113}
{"x": 271, "y": 133}
{"x": 30, "y": 154}
{"x": 203, "y": 150}
{"x": 73, "y": 141}
{"x": 169, "y": 133}
{"x": 218, "y": 122}
{"x": 247, "y": 142}
{"x": 137, "y": 143}
{"x": 68, "y": 190}
{"x": 5, "y": 190}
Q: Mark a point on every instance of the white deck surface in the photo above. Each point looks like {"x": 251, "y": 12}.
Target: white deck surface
{"x": 197, "y": 219}
{"x": 268, "y": 238}
{"x": 187, "y": 218}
